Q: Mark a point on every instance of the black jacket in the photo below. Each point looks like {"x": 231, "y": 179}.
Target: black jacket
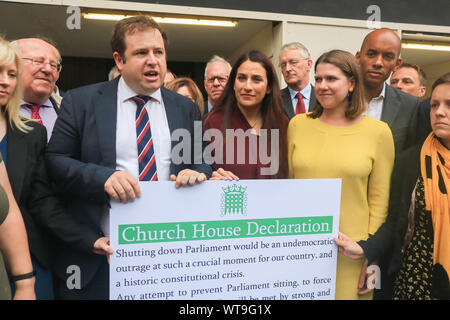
{"x": 44, "y": 216}
{"x": 389, "y": 238}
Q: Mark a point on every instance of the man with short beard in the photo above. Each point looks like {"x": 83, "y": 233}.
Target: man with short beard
{"x": 378, "y": 57}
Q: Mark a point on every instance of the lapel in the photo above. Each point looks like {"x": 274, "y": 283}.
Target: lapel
{"x": 56, "y": 102}
{"x": 17, "y": 150}
{"x": 287, "y": 103}
{"x": 391, "y": 107}
{"x": 312, "y": 100}
{"x": 105, "y": 110}
{"x": 171, "y": 107}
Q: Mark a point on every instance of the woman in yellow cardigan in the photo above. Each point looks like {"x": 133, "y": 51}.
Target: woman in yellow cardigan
{"x": 336, "y": 140}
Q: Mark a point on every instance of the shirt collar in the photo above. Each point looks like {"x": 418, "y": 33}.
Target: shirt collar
{"x": 47, "y": 104}
{"x": 306, "y": 92}
{"x": 382, "y": 94}
{"x": 125, "y": 93}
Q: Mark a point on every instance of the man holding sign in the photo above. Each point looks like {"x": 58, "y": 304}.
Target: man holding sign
{"x": 110, "y": 135}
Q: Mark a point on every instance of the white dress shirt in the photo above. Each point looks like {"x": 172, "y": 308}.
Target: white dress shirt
{"x": 375, "y": 106}
{"x": 306, "y": 93}
{"x": 126, "y": 141}
{"x": 126, "y": 145}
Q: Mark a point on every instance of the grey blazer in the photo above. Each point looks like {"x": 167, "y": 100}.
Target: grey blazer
{"x": 287, "y": 102}
{"x": 400, "y": 112}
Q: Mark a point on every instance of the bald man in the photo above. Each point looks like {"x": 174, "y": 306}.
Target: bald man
{"x": 378, "y": 57}
{"x": 41, "y": 68}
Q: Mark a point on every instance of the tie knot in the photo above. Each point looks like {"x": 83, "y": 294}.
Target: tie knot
{"x": 35, "y": 112}
{"x": 299, "y": 95}
{"x": 140, "y": 100}
{"x": 34, "y": 107}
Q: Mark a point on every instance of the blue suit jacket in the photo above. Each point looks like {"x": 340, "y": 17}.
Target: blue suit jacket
{"x": 81, "y": 156}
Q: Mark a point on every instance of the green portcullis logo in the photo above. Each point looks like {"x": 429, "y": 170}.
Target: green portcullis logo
{"x": 234, "y": 200}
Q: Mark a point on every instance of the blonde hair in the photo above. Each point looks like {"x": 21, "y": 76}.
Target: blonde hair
{"x": 177, "y": 83}
{"x": 9, "y": 55}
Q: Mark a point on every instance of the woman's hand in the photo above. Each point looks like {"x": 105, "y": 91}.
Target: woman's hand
{"x": 348, "y": 247}
{"x": 222, "y": 174}
{"x": 187, "y": 177}
{"x": 24, "y": 289}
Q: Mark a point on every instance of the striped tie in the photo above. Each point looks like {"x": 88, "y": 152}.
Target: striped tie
{"x": 146, "y": 154}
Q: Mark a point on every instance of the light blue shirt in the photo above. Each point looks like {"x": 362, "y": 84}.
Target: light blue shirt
{"x": 306, "y": 93}
{"x": 46, "y": 112}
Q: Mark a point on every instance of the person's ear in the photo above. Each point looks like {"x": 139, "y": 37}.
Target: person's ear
{"x": 422, "y": 91}
{"x": 398, "y": 63}
{"x": 118, "y": 60}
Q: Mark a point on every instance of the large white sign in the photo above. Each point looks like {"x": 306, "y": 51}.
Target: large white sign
{"x": 238, "y": 240}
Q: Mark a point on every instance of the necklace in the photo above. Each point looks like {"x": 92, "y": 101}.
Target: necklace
{"x": 253, "y": 125}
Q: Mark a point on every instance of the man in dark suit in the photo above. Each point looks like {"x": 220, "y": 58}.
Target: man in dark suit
{"x": 41, "y": 68}
{"x": 295, "y": 63}
{"x": 45, "y": 217}
{"x": 378, "y": 57}
{"x": 93, "y": 152}
{"x": 411, "y": 79}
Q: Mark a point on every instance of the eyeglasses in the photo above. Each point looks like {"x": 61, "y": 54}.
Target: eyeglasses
{"x": 222, "y": 80}
{"x": 40, "y": 62}
{"x": 292, "y": 63}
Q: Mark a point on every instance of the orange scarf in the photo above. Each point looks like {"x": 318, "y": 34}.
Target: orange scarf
{"x": 435, "y": 168}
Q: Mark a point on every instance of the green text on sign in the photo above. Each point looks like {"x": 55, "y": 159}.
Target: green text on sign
{"x": 223, "y": 229}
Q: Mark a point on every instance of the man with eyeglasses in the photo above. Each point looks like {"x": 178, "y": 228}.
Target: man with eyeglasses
{"x": 216, "y": 76}
{"x": 295, "y": 63}
{"x": 41, "y": 68}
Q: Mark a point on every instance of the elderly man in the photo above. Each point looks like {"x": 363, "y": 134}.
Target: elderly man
{"x": 41, "y": 68}
{"x": 410, "y": 78}
{"x": 111, "y": 135}
{"x": 378, "y": 57}
{"x": 45, "y": 217}
{"x": 295, "y": 63}
{"x": 217, "y": 72}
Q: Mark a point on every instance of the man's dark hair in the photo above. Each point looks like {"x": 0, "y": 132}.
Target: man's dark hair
{"x": 131, "y": 24}
{"x": 422, "y": 75}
